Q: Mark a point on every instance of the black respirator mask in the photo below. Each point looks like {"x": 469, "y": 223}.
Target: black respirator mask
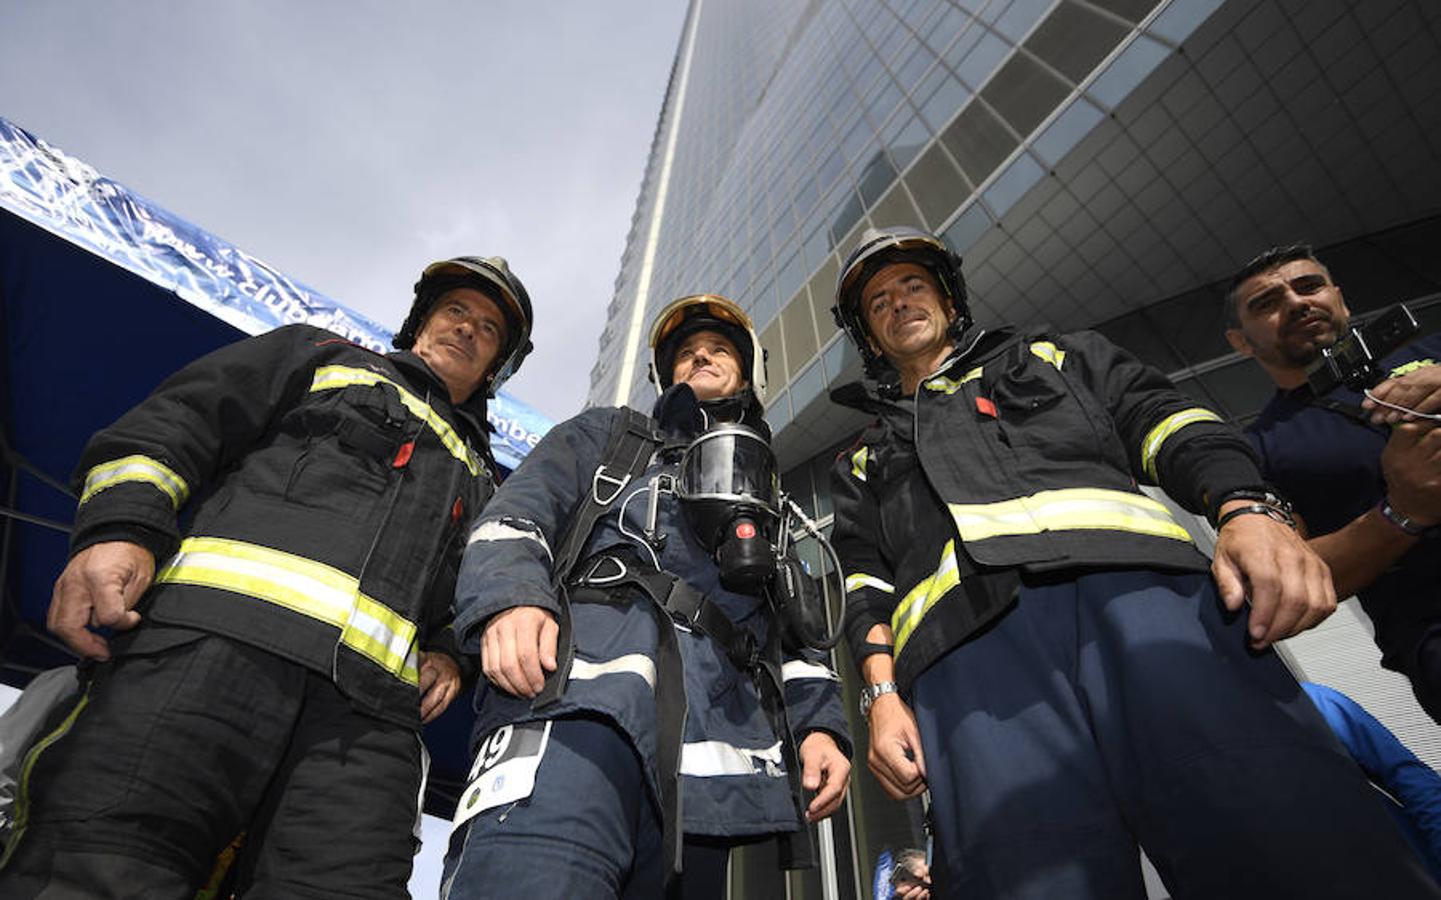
{"x": 730, "y": 494}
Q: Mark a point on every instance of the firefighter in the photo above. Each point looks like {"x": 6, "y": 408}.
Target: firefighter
{"x": 1042, "y": 644}
{"x": 273, "y": 537}
{"x": 641, "y": 710}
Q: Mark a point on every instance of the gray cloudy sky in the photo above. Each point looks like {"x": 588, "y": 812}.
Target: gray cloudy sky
{"x": 349, "y": 143}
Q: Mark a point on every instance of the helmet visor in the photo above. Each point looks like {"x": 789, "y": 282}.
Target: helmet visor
{"x": 492, "y": 277}
{"x": 868, "y": 260}
{"x": 690, "y": 307}
{"x": 731, "y": 463}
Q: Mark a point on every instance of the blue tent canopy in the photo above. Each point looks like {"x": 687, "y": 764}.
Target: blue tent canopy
{"x": 103, "y": 294}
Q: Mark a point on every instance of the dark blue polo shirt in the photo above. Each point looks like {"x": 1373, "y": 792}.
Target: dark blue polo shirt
{"x": 1328, "y": 464}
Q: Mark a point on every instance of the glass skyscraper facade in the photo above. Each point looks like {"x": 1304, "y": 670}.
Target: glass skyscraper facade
{"x": 1098, "y": 163}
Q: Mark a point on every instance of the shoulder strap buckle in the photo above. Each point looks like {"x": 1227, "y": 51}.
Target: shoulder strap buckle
{"x": 615, "y": 485}
{"x": 596, "y": 574}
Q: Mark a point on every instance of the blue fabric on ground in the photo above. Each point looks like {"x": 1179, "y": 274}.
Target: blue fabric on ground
{"x": 1390, "y": 765}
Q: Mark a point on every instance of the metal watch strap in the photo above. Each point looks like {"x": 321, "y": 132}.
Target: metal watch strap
{"x": 1402, "y": 522}
{"x": 871, "y": 692}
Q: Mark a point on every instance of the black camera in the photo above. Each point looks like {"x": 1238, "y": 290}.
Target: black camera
{"x": 1354, "y": 360}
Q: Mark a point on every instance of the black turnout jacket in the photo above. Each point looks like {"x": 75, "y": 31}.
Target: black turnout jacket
{"x": 1020, "y": 458}
{"x": 325, "y": 491}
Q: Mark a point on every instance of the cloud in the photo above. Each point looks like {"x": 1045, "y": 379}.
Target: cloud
{"x": 349, "y": 144}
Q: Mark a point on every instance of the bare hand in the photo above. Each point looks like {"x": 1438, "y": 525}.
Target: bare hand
{"x": 895, "y": 757}
{"x": 913, "y": 890}
{"x": 518, "y": 648}
{"x": 1411, "y": 465}
{"x": 99, "y": 588}
{"x": 918, "y": 888}
{"x": 1419, "y": 390}
{"x": 1288, "y": 584}
{"x": 825, "y": 770}
{"x": 439, "y": 683}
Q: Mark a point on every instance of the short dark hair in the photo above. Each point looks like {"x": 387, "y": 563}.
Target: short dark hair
{"x": 1267, "y": 260}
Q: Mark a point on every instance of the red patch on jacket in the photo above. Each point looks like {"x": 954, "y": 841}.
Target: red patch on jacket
{"x": 402, "y": 456}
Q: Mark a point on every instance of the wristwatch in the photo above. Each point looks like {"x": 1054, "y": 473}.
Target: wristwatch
{"x": 1390, "y": 514}
{"x": 870, "y": 692}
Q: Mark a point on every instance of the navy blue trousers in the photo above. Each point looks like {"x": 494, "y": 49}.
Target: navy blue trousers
{"x": 1125, "y": 708}
{"x": 588, "y": 831}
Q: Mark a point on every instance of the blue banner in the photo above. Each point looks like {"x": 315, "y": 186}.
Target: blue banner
{"x": 70, "y": 199}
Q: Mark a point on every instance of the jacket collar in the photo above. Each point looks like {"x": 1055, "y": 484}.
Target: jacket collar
{"x": 680, "y": 413}
{"x": 877, "y": 396}
{"x": 471, "y": 412}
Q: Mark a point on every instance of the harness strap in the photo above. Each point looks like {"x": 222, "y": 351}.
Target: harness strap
{"x": 627, "y": 452}
{"x": 682, "y": 603}
{"x": 797, "y": 850}
{"x": 762, "y": 664}
{"x": 670, "y": 712}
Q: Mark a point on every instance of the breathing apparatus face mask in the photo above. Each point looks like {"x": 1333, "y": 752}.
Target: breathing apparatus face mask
{"x": 730, "y": 494}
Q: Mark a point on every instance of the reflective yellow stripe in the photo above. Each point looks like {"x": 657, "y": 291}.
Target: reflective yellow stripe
{"x": 329, "y": 378}
{"x": 1066, "y": 510}
{"x": 136, "y": 468}
{"x": 302, "y": 585}
{"x": 1411, "y": 366}
{"x": 919, "y": 600}
{"x": 860, "y": 580}
{"x": 858, "y": 464}
{"x": 951, "y": 385}
{"x": 1049, "y": 352}
{"x": 1151, "y": 446}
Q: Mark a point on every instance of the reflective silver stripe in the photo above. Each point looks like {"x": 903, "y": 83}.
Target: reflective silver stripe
{"x": 500, "y": 531}
{"x": 416, "y": 829}
{"x": 799, "y": 668}
{"x": 860, "y": 580}
{"x": 630, "y": 664}
{"x": 137, "y": 468}
{"x": 305, "y": 586}
{"x": 1068, "y": 509}
{"x": 708, "y": 759}
{"x": 1151, "y": 446}
{"x": 329, "y": 378}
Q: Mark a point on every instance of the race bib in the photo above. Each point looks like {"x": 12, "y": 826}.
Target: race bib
{"x": 504, "y": 768}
